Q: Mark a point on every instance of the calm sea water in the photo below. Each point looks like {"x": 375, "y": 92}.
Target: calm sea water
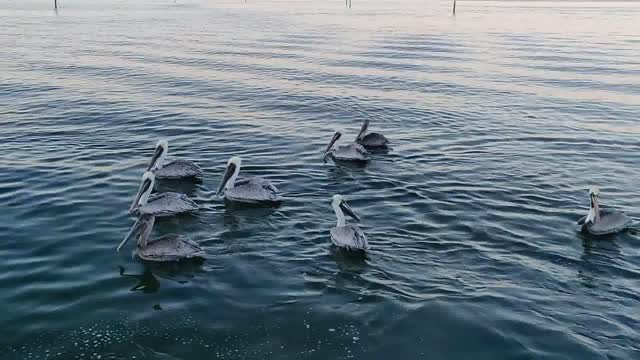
{"x": 500, "y": 119}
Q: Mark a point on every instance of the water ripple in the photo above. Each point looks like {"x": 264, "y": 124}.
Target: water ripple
{"x": 499, "y": 119}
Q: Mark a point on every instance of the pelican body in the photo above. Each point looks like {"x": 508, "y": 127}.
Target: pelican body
{"x": 372, "y": 140}
{"x": 170, "y": 247}
{"x": 254, "y": 190}
{"x": 345, "y": 236}
{"x": 163, "y": 204}
{"x": 603, "y": 221}
{"x": 177, "y": 169}
{"x": 351, "y": 152}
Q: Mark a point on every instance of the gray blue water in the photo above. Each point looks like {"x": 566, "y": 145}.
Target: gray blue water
{"x": 500, "y": 119}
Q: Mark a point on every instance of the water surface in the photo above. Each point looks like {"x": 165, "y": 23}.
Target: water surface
{"x": 500, "y": 119}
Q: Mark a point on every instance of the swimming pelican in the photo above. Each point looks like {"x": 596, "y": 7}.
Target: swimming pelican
{"x": 170, "y": 247}
{"x": 603, "y": 222}
{"x": 347, "y": 236}
{"x": 350, "y": 152}
{"x": 164, "y": 204}
{"x": 253, "y": 190}
{"x": 371, "y": 140}
{"x": 176, "y": 169}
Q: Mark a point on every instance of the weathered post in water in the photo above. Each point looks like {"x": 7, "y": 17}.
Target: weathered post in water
{"x": 454, "y": 7}
{"x": 55, "y": 4}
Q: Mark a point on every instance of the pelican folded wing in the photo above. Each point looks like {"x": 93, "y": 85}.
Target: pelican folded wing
{"x": 611, "y": 222}
{"x": 167, "y": 204}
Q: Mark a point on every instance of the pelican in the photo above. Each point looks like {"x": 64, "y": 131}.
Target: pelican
{"x": 351, "y": 152}
{"x": 170, "y": 247}
{"x": 345, "y": 236}
{"x": 603, "y": 222}
{"x": 177, "y": 169}
{"x": 253, "y": 190}
{"x": 164, "y": 204}
{"x": 371, "y": 140}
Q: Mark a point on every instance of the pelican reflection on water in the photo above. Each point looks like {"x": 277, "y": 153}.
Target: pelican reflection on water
{"x": 170, "y": 247}
{"x": 254, "y": 190}
{"x": 349, "y": 152}
{"x": 349, "y": 237}
{"x": 147, "y": 282}
{"x": 163, "y": 204}
{"x": 177, "y": 169}
{"x": 603, "y": 221}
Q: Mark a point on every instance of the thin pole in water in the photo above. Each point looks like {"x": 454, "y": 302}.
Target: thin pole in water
{"x": 454, "y": 7}
{"x": 349, "y": 4}
{"x": 55, "y": 4}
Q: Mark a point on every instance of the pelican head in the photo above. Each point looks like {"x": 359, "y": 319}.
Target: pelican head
{"x": 157, "y": 160}
{"x": 230, "y": 175}
{"x": 340, "y": 205}
{"x": 363, "y": 130}
{"x": 140, "y": 229}
{"x": 335, "y": 138}
{"x": 146, "y": 186}
{"x": 594, "y": 209}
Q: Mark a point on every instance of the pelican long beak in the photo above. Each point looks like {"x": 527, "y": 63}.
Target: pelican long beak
{"x": 347, "y": 210}
{"x": 156, "y": 155}
{"x": 363, "y": 130}
{"x": 594, "y": 210}
{"x": 135, "y": 230}
{"x": 595, "y": 205}
{"x": 335, "y": 138}
{"x": 231, "y": 168}
{"x": 144, "y": 187}
{"x": 591, "y": 216}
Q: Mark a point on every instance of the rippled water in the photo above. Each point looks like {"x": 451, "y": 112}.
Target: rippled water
{"x": 500, "y": 119}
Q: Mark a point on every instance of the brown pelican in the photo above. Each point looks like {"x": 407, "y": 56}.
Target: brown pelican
{"x": 253, "y": 190}
{"x": 169, "y": 247}
{"x": 371, "y": 140}
{"x": 176, "y": 169}
{"x": 164, "y": 204}
{"x": 345, "y": 236}
{"x": 350, "y": 152}
{"x": 603, "y": 221}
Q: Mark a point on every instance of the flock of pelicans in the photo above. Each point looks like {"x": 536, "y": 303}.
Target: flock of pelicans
{"x": 258, "y": 191}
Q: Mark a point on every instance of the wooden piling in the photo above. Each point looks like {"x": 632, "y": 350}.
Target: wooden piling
{"x": 454, "y": 7}
{"x": 55, "y": 4}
